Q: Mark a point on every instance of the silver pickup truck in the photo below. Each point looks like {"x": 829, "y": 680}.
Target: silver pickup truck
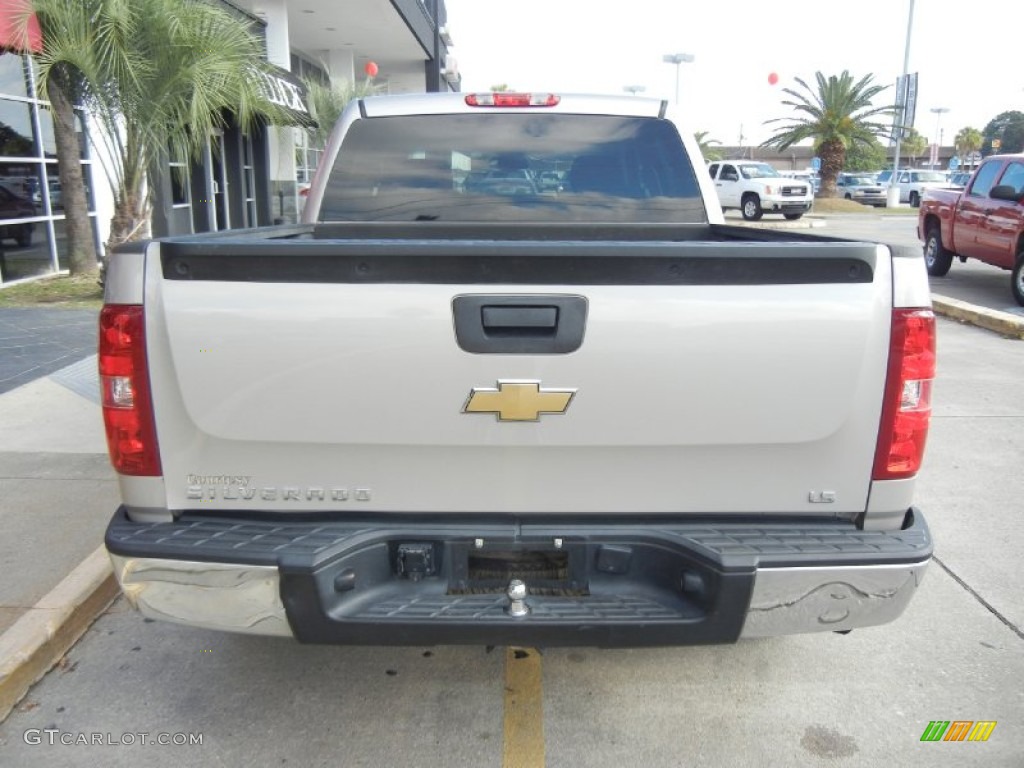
{"x": 514, "y": 381}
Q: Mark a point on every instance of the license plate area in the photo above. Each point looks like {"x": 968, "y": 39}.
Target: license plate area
{"x": 545, "y": 569}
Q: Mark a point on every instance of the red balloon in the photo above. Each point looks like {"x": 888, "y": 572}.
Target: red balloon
{"x": 773, "y": 78}
{"x": 371, "y": 69}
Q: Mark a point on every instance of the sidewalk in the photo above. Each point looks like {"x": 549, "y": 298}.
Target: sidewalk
{"x": 35, "y": 342}
{"x": 57, "y": 490}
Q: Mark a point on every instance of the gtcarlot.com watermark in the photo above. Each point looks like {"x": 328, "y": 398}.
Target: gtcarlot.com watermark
{"x": 55, "y": 736}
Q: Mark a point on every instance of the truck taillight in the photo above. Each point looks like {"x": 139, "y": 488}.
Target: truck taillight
{"x": 907, "y": 409}
{"x": 124, "y": 385}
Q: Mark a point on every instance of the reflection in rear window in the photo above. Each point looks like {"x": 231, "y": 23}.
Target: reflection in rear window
{"x": 513, "y": 168}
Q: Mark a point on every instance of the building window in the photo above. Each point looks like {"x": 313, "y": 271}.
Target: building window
{"x": 249, "y": 183}
{"x": 307, "y": 151}
{"x": 32, "y": 241}
{"x": 16, "y": 129}
{"x": 14, "y": 77}
{"x": 181, "y": 194}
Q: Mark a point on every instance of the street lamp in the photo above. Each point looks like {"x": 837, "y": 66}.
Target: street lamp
{"x": 892, "y": 195}
{"x": 634, "y": 89}
{"x": 677, "y": 59}
{"x": 939, "y": 112}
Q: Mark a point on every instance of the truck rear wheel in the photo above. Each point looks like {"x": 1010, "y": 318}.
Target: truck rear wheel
{"x": 915, "y": 199}
{"x": 1018, "y": 279}
{"x": 752, "y": 207}
{"x": 937, "y": 259}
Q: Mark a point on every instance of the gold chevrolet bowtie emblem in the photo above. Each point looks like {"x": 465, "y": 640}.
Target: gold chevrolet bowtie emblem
{"x": 518, "y": 400}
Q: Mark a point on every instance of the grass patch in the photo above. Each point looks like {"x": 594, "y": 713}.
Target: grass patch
{"x": 842, "y": 205}
{"x": 63, "y": 291}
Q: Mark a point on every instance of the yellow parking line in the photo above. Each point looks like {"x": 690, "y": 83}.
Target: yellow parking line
{"x": 524, "y": 709}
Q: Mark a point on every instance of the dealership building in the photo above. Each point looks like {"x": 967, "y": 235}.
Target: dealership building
{"x": 243, "y": 180}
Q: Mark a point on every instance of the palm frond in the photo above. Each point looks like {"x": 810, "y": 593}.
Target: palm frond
{"x": 835, "y": 114}
{"x": 158, "y": 76}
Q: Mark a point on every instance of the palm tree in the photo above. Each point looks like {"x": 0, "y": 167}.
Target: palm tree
{"x": 63, "y": 63}
{"x": 159, "y": 77}
{"x": 968, "y": 141}
{"x": 914, "y": 144}
{"x": 327, "y": 101}
{"x": 836, "y": 116}
{"x": 709, "y": 153}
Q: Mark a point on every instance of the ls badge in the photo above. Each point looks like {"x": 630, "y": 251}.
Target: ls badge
{"x": 518, "y": 400}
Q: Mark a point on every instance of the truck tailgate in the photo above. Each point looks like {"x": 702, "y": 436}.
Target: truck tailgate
{"x": 709, "y": 378}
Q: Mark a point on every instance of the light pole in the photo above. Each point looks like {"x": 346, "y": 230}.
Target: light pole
{"x": 634, "y": 89}
{"x": 892, "y": 198}
{"x": 939, "y": 112}
{"x": 677, "y": 59}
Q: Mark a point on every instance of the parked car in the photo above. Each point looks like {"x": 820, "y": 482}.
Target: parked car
{"x": 882, "y": 177}
{"x": 960, "y": 179}
{"x": 14, "y": 206}
{"x": 810, "y": 177}
{"x": 550, "y": 181}
{"x": 861, "y": 188}
{"x": 913, "y": 183}
{"x": 504, "y": 182}
{"x": 755, "y": 188}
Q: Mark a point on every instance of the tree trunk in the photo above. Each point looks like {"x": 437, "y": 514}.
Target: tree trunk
{"x": 131, "y": 204}
{"x": 81, "y": 247}
{"x": 129, "y": 222}
{"x": 833, "y": 157}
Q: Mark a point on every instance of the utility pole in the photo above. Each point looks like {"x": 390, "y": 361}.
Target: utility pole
{"x": 893, "y": 194}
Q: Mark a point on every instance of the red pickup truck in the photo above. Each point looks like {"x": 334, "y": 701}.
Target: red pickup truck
{"x": 984, "y": 221}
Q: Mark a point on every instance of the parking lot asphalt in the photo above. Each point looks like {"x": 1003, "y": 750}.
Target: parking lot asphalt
{"x": 53, "y": 459}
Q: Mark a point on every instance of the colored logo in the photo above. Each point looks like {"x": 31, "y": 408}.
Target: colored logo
{"x": 958, "y": 730}
{"x": 518, "y": 400}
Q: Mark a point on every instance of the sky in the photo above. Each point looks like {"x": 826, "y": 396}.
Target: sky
{"x": 967, "y": 55}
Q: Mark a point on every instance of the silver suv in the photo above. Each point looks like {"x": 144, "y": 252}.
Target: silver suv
{"x": 861, "y": 188}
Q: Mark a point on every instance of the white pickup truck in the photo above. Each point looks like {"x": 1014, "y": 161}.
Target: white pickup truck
{"x": 913, "y": 184}
{"x": 755, "y": 188}
{"x": 440, "y": 412}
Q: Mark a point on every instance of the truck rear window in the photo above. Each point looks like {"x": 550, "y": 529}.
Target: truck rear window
{"x": 512, "y": 168}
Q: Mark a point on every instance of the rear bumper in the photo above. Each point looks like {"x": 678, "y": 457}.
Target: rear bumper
{"x": 403, "y": 582}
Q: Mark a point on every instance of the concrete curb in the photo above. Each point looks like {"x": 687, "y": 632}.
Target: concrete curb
{"x": 1002, "y": 323}
{"x": 38, "y": 640}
